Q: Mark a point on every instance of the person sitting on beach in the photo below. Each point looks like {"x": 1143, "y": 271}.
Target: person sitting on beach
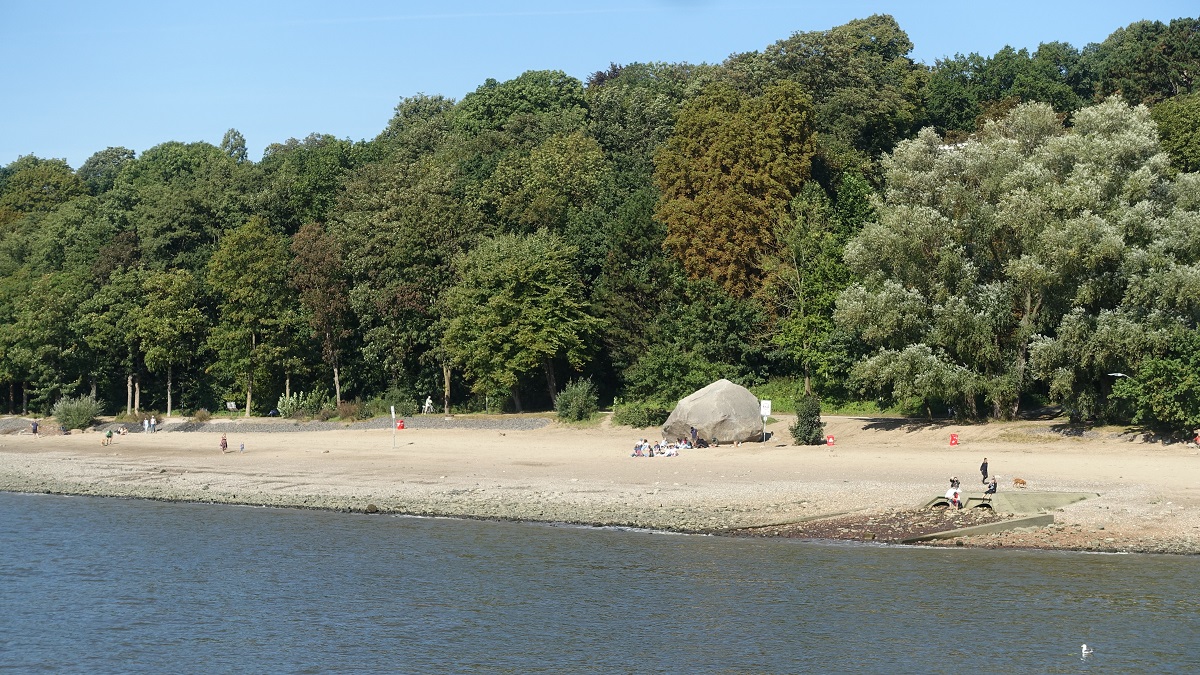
{"x": 638, "y": 448}
{"x": 224, "y": 444}
{"x": 991, "y": 488}
{"x": 954, "y": 496}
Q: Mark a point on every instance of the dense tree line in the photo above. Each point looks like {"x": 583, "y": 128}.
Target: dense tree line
{"x": 982, "y": 235}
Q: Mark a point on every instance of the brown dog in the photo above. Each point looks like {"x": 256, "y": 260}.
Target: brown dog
{"x": 1019, "y": 482}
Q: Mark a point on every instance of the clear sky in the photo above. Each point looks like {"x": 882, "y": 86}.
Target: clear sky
{"x": 80, "y": 76}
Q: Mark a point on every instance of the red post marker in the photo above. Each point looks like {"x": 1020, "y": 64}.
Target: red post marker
{"x": 953, "y": 439}
{"x": 829, "y": 440}
{"x": 400, "y": 424}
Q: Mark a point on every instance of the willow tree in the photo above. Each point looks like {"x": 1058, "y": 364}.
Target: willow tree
{"x": 727, "y": 174}
{"x": 1032, "y": 235}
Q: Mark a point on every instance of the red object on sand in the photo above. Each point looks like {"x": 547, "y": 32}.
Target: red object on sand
{"x": 400, "y": 424}
{"x": 829, "y": 440}
{"x": 953, "y": 439}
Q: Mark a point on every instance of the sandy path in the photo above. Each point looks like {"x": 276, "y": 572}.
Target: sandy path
{"x": 1149, "y": 493}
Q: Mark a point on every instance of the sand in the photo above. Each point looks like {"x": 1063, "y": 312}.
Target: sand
{"x": 1148, "y": 493}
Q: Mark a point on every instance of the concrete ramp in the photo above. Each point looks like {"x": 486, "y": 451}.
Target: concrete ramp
{"x": 1016, "y": 502}
{"x": 990, "y": 528}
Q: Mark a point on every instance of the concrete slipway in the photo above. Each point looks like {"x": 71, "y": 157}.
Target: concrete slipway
{"x": 1034, "y": 506}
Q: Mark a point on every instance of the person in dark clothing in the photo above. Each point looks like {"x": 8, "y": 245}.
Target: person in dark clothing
{"x": 983, "y": 469}
{"x": 991, "y": 487}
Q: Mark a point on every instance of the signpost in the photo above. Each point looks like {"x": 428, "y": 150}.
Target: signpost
{"x": 764, "y": 409}
{"x": 393, "y": 427}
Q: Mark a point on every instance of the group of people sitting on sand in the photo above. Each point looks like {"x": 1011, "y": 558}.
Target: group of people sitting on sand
{"x": 643, "y": 448}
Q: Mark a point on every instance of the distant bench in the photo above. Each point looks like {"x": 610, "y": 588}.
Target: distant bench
{"x": 230, "y": 406}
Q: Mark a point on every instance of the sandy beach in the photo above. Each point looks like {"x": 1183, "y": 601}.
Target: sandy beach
{"x": 1147, "y": 493}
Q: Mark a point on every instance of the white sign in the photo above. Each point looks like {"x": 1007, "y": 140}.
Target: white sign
{"x": 764, "y": 408}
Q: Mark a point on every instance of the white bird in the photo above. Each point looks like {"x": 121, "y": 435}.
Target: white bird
{"x": 1084, "y": 651}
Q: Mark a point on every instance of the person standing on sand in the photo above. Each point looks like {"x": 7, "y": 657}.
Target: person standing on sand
{"x": 983, "y": 469}
{"x": 224, "y": 444}
{"x": 33, "y": 427}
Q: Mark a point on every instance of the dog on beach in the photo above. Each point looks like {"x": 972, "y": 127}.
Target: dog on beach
{"x": 1019, "y": 482}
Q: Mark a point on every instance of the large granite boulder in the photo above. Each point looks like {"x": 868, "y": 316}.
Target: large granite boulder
{"x": 723, "y": 410}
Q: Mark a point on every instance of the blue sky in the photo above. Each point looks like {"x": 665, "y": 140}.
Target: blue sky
{"x": 82, "y": 76}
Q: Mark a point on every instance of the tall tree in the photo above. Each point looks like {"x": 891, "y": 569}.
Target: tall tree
{"x": 319, "y": 276}
{"x": 248, "y": 276}
{"x": 518, "y": 306}
{"x": 978, "y": 250}
{"x": 727, "y": 174}
{"x": 170, "y": 326}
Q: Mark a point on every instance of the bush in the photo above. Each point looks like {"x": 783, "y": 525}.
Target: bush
{"x": 808, "y": 429}
{"x": 202, "y": 415}
{"x": 300, "y": 404}
{"x": 640, "y": 414}
{"x": 76, "y": 413}
{"x": 349, "y": 410}
{"x": 406, "y": 404}
{"x": 577, "y": 401}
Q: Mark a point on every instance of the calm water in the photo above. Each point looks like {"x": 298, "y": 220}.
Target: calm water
{"x": 101, "y": 585}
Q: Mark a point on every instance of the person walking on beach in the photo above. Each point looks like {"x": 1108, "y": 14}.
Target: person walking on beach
{"x": 224, "y": 444}
{"x": 153, "y": 424}
{"x": 983, "y": 469}
{"x": 33, "y": 427}
{"x": 145, "y": 425}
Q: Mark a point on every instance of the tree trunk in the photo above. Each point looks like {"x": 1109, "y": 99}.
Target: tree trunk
{"x": 24, "y": 398}
{"x": 807, "y": 381}
{"x": 550, "y": 383}
{"x": 129, "y": 394}
{"x": 137, "y": 394}
{"x": 168, "y": 390}
{"x": 93, "y": 388}
{"x": 250, "y": 375}
{"x": 337, "y": 386}
{"x": 446, "y": 389}
{"x": 287, "y": 383}
{"x": 517, "y": 399}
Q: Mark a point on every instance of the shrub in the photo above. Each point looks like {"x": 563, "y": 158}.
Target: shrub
{"x": 300, "y": 404}
{"x": 76, "y": 413}
{"x": 640, "y": 414}
{"x": 808, "y": 429}
{"x": 202, "y": 415}
{"x": 406, "y": 404}
{"x": 349, "y": 410}
{"x": 325, "y": 414}
{"x": 577, "y": 401}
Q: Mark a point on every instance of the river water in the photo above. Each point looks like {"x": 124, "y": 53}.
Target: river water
{"x": 105, "y": 586}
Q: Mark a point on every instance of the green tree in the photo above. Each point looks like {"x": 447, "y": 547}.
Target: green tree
{"x": 107, "y": 322}
{"x": 302, "y": 180}
{"x": 319, "y": 277}
{"x": 727, "y": 174}
{"x": 978, "y": 250}
{"x": 1178, "y": 121}
{"x": 248, "y": 276}
{"x": 518, "y": 306}
{"x": 99, "y": 172}
{"x": 170, "y": 327}
{"x": 33, "y": 185}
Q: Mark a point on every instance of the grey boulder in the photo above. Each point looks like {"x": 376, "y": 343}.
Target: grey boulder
{"x": 723, "y": 410}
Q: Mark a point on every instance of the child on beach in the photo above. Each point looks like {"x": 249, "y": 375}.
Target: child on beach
{"x": 224, "y": 444}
